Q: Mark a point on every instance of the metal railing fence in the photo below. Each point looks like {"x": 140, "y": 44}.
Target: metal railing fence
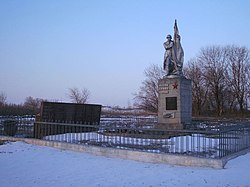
{"x": 18, "y": 126}
{"x": 215, "y": 140}
{"x": 210, "y": 144}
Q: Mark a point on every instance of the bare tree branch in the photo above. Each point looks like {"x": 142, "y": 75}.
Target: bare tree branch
{"x": 147, "y": 97}
{"x": 79, "y": 96}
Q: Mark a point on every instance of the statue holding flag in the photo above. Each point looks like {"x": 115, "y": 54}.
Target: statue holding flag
{"x": 174, "y": 54}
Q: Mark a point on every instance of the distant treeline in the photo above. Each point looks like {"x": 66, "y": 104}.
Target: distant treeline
{"x": 31, "y": 106}
{"x": 13, "y": 109}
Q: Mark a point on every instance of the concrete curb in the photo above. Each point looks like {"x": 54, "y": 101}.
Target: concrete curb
{"x": 133, "y": 155}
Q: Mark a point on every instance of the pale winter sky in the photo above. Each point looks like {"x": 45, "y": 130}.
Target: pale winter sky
{"x": 48, "y": 46}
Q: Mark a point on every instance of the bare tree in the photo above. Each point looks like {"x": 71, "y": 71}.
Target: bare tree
{"x": 239, "y": 71}
{"x": 199, "y": 88}
{"x": 33, "y": 104}
{"x": 147, "y": 97}
{"x": 221, "y": 79}
{"x": 79, "y": 96}
{"x": 3, "y": 98}
{"x": 214, "y": 66}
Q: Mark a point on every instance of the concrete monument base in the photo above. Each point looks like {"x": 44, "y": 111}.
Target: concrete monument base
{"x": 174, "y": 102}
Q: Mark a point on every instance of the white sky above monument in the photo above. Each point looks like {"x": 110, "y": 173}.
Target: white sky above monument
{"x": 48, "y": 46}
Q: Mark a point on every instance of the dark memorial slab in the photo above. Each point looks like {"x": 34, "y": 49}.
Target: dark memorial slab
{"x": 59, "y": 118}
{"x": 70, "y": 113}
{"x": 171, "y": 103}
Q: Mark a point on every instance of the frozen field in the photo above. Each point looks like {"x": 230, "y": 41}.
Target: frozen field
{"x": 30, "y": 165}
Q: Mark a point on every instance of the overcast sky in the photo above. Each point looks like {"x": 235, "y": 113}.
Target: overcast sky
{"x": 48, "y": 46}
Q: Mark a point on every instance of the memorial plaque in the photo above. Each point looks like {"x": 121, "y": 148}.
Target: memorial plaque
{"x": 171, "y": 103}
{"x": 164, "y": 88}
{"x": 70, "y": 113}
{"x": 54, "y": 115}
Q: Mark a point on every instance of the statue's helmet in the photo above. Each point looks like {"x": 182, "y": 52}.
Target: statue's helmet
{"x": 169, "y": 36}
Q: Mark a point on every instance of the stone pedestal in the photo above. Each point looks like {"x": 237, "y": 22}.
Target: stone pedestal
{"x": 175, "y": 102}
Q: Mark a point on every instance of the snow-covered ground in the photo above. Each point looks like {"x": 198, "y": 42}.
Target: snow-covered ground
{"x": 27, "y": 165}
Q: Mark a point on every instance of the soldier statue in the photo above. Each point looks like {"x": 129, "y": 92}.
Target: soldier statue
{"x": 174, "y": 54}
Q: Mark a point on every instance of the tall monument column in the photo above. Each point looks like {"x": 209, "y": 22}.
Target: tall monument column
{"x": 175, "y": 90}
